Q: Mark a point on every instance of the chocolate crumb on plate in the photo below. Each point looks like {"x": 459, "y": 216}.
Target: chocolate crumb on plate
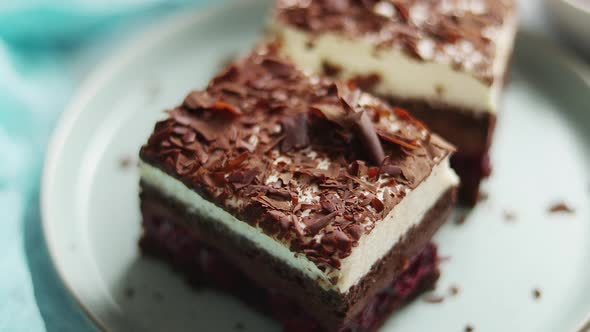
{"x": 537, "y": 293}
{"x": 483, "y": 196}
{"x": 125, "y": 162}
{"x": 454, "y": 290}
{"x": 509, "y": 216}
{"x": 433, "y": 298}
{"x": 461, "y": 219}
{"x": 561, "y": 207}
{"x": 469, "y": 328}
{"x": 444, "y": 258}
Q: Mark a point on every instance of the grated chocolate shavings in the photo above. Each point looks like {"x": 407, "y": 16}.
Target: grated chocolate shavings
{"x": 366, "y": 131}
{"x": 302, "y": 158}
{"x": 296, "y": 132}
{"x": 366, "y": 82}
{"x": 331, "y": 70}
{"x": 463, "y": 36}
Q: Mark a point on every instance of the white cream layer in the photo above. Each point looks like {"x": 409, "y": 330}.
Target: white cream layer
{"x": 372, "y": 247}
{"x": 401, "y": 75}
{"x": 407, "y": 214}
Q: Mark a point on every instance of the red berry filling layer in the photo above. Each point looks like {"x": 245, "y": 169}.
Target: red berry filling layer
{"x": 203, "y": 265}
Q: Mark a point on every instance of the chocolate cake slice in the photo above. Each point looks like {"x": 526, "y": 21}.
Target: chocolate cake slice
{"x": 445, "y": 60}
{"x": 309, "y": 199}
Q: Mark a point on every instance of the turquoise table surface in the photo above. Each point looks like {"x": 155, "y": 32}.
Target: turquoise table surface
{"x": 46, "y": 49}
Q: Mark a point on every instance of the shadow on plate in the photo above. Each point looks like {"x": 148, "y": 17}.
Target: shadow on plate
{"x": 59, "y": 310}
{"x": 153, "y": 297}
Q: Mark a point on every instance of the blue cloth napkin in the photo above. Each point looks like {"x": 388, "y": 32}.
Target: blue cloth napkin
{"x": 46, "y": 48}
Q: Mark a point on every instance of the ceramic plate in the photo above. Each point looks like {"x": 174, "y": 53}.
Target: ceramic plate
{"x": 508, "y": 247}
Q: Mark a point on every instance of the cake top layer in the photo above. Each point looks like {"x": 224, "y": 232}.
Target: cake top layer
{"x": 462, "y": 33}
{"x": 311, "y": 162}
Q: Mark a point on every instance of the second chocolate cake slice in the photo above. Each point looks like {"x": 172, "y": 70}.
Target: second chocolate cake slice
{"x": 445, "y": 60}
{"x": 304, "y": 196}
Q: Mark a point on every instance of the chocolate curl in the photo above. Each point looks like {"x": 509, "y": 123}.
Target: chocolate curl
{"x": 350, "y": 116}
{"x": 296, "y": 134}
{"x": 366, "y": 131}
